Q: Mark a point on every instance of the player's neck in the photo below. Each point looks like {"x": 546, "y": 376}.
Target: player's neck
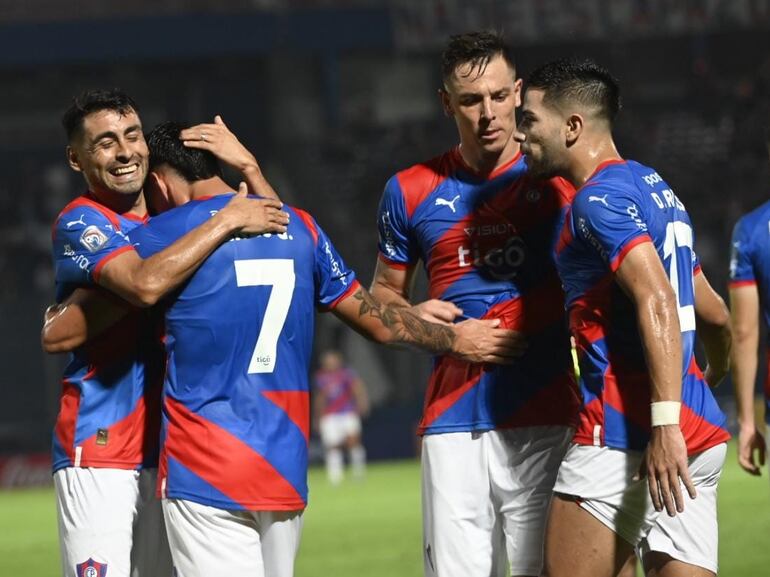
{"x": 588, "y": 156}
{"x": 122, "y": 203}
{"x": 208, "y": 187}
{"x": 483, "y": 162}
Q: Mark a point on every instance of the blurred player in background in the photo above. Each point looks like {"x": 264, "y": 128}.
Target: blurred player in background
{"x": 493, "y": 437}
{"x": 635, "y": 292}
{"x": 236, "y": 399}
{"x": 339, "y": 403}
{"x": 105, "y": 443}
{"x": 750, "y": 296}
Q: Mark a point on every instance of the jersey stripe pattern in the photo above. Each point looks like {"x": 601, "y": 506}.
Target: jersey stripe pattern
{"x": 622, "y": 205}
{"x": 486, "y": 244}
{"x": 239, "y": 337}
{"x": 109, "y": 414}
{"x": 750, "y": 265}
{"x": 336, "y": 389}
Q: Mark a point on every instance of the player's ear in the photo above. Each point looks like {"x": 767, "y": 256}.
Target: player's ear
{"x": 446, "y": 103}
{"x": 574, "y": 127}
{"x": 72, "y": 159}
{"x": 517, "y": 92}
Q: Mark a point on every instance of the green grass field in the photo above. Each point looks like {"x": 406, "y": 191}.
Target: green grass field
{"x": 372, "y": 528}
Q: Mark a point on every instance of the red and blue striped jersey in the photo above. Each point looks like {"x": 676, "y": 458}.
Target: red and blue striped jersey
{"x": 750, "y": 265}
{"x": 336, "y": 389}
{"x": 109, "y": 413}
{"x": 486, "y": 243}
{"x": 239, "y": 336}
{"x": 620, "y": 206}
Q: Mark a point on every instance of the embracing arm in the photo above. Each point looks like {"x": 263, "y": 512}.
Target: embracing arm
{"x": 713, "y": 327}
{"x": 85, "y": 314}
{"x": 642, "y": 277}
{"x": 744, "y": 305}
{"x": 472, "y": 340}
{"x": 142, "y": 282}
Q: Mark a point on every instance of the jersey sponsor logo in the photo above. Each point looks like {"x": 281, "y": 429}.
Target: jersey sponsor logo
{"x": 734, "y": 258}
{"x": 633, "y": 212}
{"x": 533, "y": 195}
{"x": 388, "y": 239}
{"x": 68, "y": 251}
{"x": 652, "y": 179}
{"x": 449, "y": 203}
{"x": 500, "y": 263}
{"x": 91, "y": 568}
{"x": 591, "y": 239}
{"x": 602, "y": 199}
{"x": 80, "y": 220}
{"x": 335, "y": 266}
{"x": 93, "y": 238}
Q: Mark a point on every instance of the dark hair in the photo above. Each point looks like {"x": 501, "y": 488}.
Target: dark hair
{"x": 475, "y": 48}
{"x": 583, "y": 81}
{"x": 191, "y": 163}
{"x": 93, "y": 101}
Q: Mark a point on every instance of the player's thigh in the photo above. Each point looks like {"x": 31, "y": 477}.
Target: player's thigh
{"x": 96, "y": 512}
{"x": 332, "y": 430}
{"x": 459, "y": 519}
{"x": 523, "y": 466}
{"x": 577, "y": 544}
{"x": 690, "y": 538}
{"x": 208, "y": 541}
{"x": 280, "y": 533}
{"x": 150, "y": 554}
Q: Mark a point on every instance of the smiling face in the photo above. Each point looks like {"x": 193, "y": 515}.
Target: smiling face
{"x": 483, "y": 106}
{"x": 111, "y": 152}
{"x": 542, "y": 135}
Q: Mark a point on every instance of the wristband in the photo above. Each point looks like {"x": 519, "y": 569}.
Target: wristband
{"x": 665, "y": 413}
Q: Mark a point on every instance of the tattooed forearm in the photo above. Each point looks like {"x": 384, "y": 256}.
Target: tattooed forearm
{"x": 405, "y": 326}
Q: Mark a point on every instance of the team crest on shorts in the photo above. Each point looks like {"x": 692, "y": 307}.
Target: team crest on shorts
{"x": 91, "y": 568}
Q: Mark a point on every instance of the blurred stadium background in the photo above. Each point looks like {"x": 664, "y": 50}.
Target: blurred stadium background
{"x": 333, "y": 96}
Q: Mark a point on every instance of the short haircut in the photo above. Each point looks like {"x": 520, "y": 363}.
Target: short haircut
{"x": 92, "y": 101}
{"x": 476, "y": 49}
{"x": 581, "y": 81}
{"x": 191, "y": 163}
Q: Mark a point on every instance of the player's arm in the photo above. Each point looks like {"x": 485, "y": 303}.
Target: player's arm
{"x": 142, "y": 282}
{"x": 393, "y": 286}
{"x": 713, "y": 327}
{"x": 219, "y": 140}
{"x": 83, "y": 315}
{"x": 361, "y": 397}
{"x": 744, "y": 307}
{"x": 642, "y": 277}
{"x": 472, "y": 340}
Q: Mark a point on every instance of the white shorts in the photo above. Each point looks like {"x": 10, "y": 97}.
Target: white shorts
{"x": 485, "y": 499}
{"x": 602, "y": 478}
{"x": 110, "y": 517}
{"x": 208, "y": 541}
{"x": 692, "y": 536}
{"x": 336, "y": 428}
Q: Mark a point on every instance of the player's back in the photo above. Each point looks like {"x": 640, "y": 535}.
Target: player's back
{"x": 622, "y": 205}
{"x": 750, "y": 258}
{"x": 336, "y": 388}
{"x": 239, "y": 339}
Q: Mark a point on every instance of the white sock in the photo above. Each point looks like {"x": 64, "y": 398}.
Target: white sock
{"x": 334, "y": 462}
{"x": 358, "y": 461}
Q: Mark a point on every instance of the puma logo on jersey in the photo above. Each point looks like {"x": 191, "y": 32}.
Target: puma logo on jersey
{"x": 449, "y": 203}
{"x": 602, "y": 199}
{"x": 78, "y": 221}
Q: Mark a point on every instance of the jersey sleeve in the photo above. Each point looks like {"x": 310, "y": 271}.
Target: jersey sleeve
{"x": 611, "y": 221}
{"x": 150, "y": 238}
{"x": 393, "y": 227}
{"x": 84, "y": 240}
{"x": 741, "y": 262}
{"x": 334, "y": 280}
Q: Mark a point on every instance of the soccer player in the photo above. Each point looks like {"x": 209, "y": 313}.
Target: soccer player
{"x": 105, "y": 442}
{"x": 339, "y": 401}
{"x": 634, "y": 292}
{"x": 749, "y": 294}
{"x": 236, "y": 398}
{"x": 493, "y": 437}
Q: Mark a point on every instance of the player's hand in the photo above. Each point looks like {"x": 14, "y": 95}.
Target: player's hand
{"x": 437, "y": 311}
{"x": 481, "y": 341}
{"x": 751, "y": 450}
{"x": 253, "y": 216}
{"x": 713, "y": 376}
{"x": 666, "y": 460}
{"x": 217, "y": 139}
